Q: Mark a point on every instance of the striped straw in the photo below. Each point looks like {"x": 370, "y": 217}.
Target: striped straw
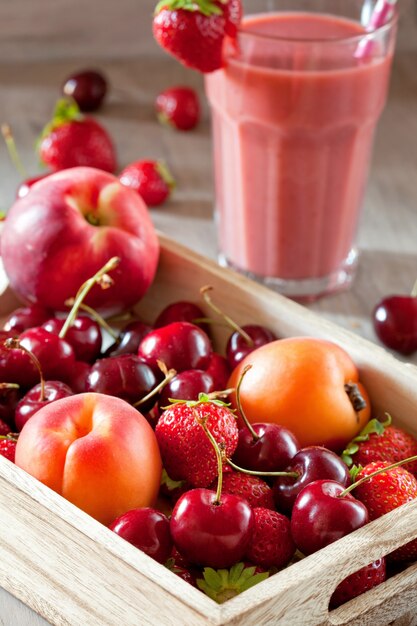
{"x": 382, "y": 13}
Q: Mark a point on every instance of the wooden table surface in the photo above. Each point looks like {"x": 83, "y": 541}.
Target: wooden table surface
{"x": 388, "y": 233}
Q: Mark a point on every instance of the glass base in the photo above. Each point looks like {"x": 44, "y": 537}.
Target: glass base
{"x": 307, "y": 289}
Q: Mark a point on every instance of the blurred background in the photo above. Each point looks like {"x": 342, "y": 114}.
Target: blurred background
{"x": 47, "y": 29}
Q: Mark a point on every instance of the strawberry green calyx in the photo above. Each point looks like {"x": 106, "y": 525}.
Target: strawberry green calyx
{"x": 169, "y": 483}
{"x": 203, "y": 398}
{"x": 222, "y": 584}
{"x": 66, "y": 110}
{"x": 206, "y": 7}
{"x": 374, "y": 426}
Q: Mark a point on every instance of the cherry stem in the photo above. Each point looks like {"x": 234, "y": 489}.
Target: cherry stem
{"x": 101, "y": 278}
{"x": 13, "y": 343}
{"x": 414, "y": 290}
{"x": 239, "y": 405}
{"x": 357, "y": 400}
{"x": 168, "y": 375}
{"x": 95, "y": 316}
{"x": 6, "y": 386}
{"x": 11, "y": 147}
{"x": 203, "y": 423}
{"x": 10, "y": 437}
{"x": 379, "y": 471}
{"x": 204, "y": 292}
{"x": 259, "y": 473}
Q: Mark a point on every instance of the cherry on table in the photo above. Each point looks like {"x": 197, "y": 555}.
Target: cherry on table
{"x": 187, "y": 385}
{"x": 129, "y": 339}
{"x": 270, "y": 450}
{"x": 182, "y": 311}
{"x": 239, "y": 346}
{"x": 395, "y": 322}
{"x": 146, "y": 529}
{"x": 16, "y": 366}
{"x": 56, "y": 356}
{"x": 125, "y": 376}
{"x": 209, "y": 533}
{"x": 87, "y": 87}
{"x": 310, "y": 463}
{"x": 37, "y": 397}
{"x": 84, "y": 335}
{"x": 27, "y": 317}
{"x": 320, "y": 515}
{"x": 180, "y": 345}
{"x": 219, "y": 370}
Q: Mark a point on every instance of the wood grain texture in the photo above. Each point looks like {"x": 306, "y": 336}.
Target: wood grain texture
{"x": 73, "y": 571}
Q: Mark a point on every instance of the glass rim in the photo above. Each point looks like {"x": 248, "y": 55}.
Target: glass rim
{"x": 318, "y": 40}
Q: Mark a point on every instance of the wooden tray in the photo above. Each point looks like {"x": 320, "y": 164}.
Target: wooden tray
{"x": 74, "y": 571}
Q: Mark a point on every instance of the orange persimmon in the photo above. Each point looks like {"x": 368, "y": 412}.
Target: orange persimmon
{"x": 307, "y": 385}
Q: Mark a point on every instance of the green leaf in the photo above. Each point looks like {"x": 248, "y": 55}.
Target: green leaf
{"x": 206, "y": 7}
{"x": 254, "y": 580}
{"x": 212, "y": 578}
{"x": 66, "y": 110}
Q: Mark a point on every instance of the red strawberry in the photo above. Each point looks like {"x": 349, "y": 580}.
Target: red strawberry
{"x": 379, "y": 441}
{"x": 8, "y": 448}
{"x": 187, "y": 453}
{"x": 256, "y": 491}
{"x": 385, "y": 492}
{"x": 271, "y": 544}
{"x": 151, "y": 179}
{"x": 72, "y": 139}
{"x": 359, "y": 582}
{"x": 193, "y": 31}
{"x": 179, "y": 107}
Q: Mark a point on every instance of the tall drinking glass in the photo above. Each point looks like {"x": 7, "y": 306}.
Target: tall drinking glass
{"x": 294, "y": 113}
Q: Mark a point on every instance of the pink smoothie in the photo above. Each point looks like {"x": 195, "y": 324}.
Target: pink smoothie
{"x": 293, "y": 124}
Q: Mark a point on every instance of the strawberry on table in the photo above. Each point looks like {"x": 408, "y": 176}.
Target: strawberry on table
{"x": 152, "y": 180}
{"x": 357, "y": 583}
{"x": 271, "y": 544}
{"x": 256, "y": 491}
{"x": 384, "y": 493}
{"x": 193, "y": 31}
{"x": 8, "y": 447}
{"x": 187, "y": 453}
{"x": 178, "y": 107}
{"x": 72, "y": 139}
{"x": 380, "y": 441}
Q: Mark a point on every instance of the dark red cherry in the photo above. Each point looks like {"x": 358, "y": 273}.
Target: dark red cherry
{"x": 186, "y": 385}
{"x": 15, "y": 365}
{"x": 27, "y": 317}
{"x": 310, "y": 463}
{"x": 88, "y": 88}
{"x": 129, "y": 339}
{"x": 55, "y": 355}
{"x": 321, "y": 515}
{"x": 395, "y": 323}
{"x": 78, "y": 380}
{"x": 238, "y": 346}
{"x": 124, "y": 376}
{"x": 84, "y": 335}
{"x": 9, "y": 398}
{"x": 210, "y": 533}
{"x": 32, "y": 401}
{"x": 146, "y": 529}
{"x": 180, "y": 345}
{"x": 219, "y": 370}
{"x": 270, "y": 451}
{"x": 182, "y": 311}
